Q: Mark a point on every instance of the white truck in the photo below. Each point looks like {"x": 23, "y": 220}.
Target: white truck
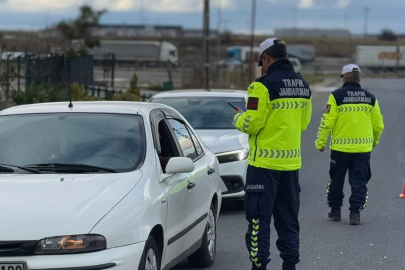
{"x": 304, "y": 53}
{"x": 379, "y": 58}
{"x": 239, "y": 55}
{"x": 140, "y": 52}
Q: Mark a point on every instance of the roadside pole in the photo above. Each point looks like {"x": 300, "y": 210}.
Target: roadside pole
{"x": 206, "y": 45}
{"x": 252, "y": 40}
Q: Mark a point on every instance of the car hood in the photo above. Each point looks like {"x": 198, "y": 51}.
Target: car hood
{"x": 218, "y": 140}
{"x": 44, "y": 205}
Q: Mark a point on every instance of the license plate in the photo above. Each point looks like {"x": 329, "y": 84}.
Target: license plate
{"x": 12, "y": 266}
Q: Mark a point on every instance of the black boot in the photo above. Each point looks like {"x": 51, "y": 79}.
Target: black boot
{"x": 354, "y": 218}
{"x": 288, "y": 267}
{"x": 335, "y": 214}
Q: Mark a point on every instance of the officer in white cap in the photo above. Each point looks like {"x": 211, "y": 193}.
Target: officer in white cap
{"x": 354, "y": 120}
{"x": 349, "y": 69}
{"x": 278, "y": 111}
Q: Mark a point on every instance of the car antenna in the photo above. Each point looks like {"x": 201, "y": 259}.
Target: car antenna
{"x": 70, "y": 98}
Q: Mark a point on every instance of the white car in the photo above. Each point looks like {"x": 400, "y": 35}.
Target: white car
{"x": 210, "y": 113}
{"x": 105, "y": 185}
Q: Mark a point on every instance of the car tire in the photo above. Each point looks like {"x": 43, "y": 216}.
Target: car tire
{"x": 205, "y": 255}
{"x": 150, "y": 256}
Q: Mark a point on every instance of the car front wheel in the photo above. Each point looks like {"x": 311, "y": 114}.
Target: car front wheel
{"x": 205, "y": 255}
{"x": 150, "y": 257}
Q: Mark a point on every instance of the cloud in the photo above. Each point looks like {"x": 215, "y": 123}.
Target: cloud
{"x": 124, "y": 5}
{"x": 306, "y": 4}
{"x": 343, "y": 3}
{"x": 38, "y": 5}
{"x": 161, "y": 6}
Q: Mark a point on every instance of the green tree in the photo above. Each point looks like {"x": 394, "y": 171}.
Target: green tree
{"x": 7, "y": 76}
{"x": 80, "y": 29}
{"x": 133, "y": 93}
{"x": 79, "y": 93}
{"x": 388, "y": 34}
{"x": 48, "y": 92}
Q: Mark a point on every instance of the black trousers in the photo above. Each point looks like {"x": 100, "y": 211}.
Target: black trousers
{"x": 272, "y": 193}
{"x": 358, "y": 165}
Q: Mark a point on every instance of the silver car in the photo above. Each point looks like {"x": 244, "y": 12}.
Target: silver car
{"x": 211, "y": 115}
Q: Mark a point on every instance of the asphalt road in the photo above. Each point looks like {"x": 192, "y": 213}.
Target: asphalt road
{"x": 379, "y": 243}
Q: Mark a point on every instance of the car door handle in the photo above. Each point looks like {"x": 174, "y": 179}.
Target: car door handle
{"x": 211, "y": 171}
{"x": 191, "y": 185}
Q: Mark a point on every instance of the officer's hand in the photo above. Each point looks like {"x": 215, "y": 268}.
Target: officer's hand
{"x": 322, "y": 149}
{"x": 239, "y": 110}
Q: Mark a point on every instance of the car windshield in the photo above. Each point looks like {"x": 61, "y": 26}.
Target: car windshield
{"x": 111, "y": 141}
{"x": 205, "y": 112}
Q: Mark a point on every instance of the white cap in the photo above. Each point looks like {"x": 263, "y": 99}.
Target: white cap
{"x": 350, "y": 68}
{"x": 267, "y": 44}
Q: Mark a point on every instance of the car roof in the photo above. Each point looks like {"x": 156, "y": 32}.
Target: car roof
{"x": 203, "y": 93}
{"x": 117, "y": 107}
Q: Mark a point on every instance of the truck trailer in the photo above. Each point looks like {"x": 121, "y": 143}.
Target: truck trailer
{"x": 377, "y": 58}
{"x": 137, "y": 52}
{"x": 305, "y": 53}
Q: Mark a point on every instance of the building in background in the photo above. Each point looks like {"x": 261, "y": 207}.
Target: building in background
{"x": 133, "y": 31}
{"x": 298, "y": 32}
{"x": 198, "y": 33}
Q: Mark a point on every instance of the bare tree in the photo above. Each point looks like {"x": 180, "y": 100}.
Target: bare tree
{"x": 81, "y": 29}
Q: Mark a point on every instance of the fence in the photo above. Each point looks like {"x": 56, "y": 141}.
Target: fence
{"x": 109, "y": 92}
{"x": 221, "y": 77}
{"x": 102, "y": 91}
{"x": 59, "y": 69}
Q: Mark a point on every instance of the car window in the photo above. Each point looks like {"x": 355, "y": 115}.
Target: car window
{"x": 204, "y": 112}
{"x": 105, "y": 140}
{"x": 184, "y": 139}
{"x": 196, "y": 142}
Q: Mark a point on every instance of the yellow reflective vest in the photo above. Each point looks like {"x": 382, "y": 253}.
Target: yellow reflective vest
{"x": 354, "y": 120}
{"x": 278, "y": 111}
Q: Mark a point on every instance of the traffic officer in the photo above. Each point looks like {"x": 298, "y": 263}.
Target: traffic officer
{"x": 278, "y": 111}
{"x": 354, "y": 119}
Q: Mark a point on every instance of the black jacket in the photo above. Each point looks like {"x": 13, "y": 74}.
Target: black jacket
{"x": 283, "y": 82}
{"x": 352, "y": 93}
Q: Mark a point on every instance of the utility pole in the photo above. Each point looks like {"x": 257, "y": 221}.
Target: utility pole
{"x": 141, "y": 11}
{"x": 206, "y": 45}
{"x": 226, "y": 22}
{"x": 219, "y": 22}
{"x": 252, "y": 39}
{"x": 294, "y": 21}
{"x": 366, "y": 11}
{"x": 346, "y": 20}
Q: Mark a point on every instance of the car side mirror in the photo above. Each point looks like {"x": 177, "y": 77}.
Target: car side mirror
{"x": 180, "y": 165}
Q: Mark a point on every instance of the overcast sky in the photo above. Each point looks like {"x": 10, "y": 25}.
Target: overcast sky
{"x": 35, "y": 14}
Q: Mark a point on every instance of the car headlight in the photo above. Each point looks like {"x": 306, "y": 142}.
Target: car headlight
{"x": 232, "y": 156}
{"x": 71, "y": 244}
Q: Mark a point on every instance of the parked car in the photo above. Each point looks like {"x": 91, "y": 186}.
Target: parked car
{"x": 211, "y": 115}
{"x": 11, "y": 56}
{"x": 102, "y": 185}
